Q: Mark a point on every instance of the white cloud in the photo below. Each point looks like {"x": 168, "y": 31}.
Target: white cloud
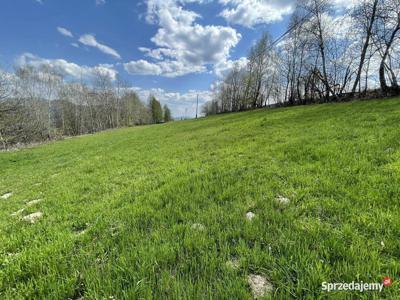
{"x": 221, "y": 69}
{"x": 65, "y": 32}
{"x": 341, "y": 27}
{"x": 182, "y": 45}
{"x": 142, "y": 67}
{"x": 167, "y": 68}
{"x": 90, "y": 40}
{"x": 66, "y": 68}
{"x": 249, "y": 13}
{"x": 39, "y": 1}
{"x": 346, "y": 4}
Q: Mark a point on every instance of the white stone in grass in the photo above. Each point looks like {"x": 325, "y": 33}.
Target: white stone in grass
{"x": 282, "y": 200}
{"x": 259, "y": 285}
{"x": 82, "y": 232}
{"x": 33, "y": 202}
{"x": 233, "y": 264}
{"x": 10, "y": 257}
{"x": 6, "y": 196}
{"x": 12, "y": 254}
{"x": 250, "y": 215}
{"x": 18, "y": 212}
{"x": 32, "y": 218}
{"x": 198, "y": 226}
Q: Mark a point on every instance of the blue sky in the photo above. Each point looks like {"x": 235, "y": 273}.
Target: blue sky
{"x": 174, "y": 49}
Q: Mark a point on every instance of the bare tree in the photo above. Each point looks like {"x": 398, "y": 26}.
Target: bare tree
{"x": 365, "y": 16}
{"x": 316, "y": 29}
{"x": 257, "y": 69}
{"x": 37, "y": 103}
{"x": 385, "y": 33}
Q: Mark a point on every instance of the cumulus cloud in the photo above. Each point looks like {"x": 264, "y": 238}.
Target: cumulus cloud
{"x": 66, "y": 68}
{"x": 142, "y": 67}
{"x": 167, "y": 68}
{"x": 90, "y": 40}
{"x": 65, "y": 32}
{"x": 222, "y": 68}
{"x": 182, "y": 45}
{"x": 249, "y": 13}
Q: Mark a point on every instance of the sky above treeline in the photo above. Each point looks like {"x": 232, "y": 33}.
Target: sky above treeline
{"x": 173, "y": 49}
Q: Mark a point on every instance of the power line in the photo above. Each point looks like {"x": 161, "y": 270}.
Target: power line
{"x": 291, "y": 28}
{"x": 294, "y": 26}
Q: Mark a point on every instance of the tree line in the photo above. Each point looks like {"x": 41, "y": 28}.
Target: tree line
{"x": 325, "y": 55}
{"x": 38, "y": 104}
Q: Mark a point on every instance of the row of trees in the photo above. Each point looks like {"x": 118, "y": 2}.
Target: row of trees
{"x": 326, "y": 55}
{"x": 37, "y": 104}
{"x": 159, "y": 114}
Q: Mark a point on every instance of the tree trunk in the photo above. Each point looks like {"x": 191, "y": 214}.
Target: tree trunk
{"x": 382, "y": 79}
{"x": 365, "y": 46}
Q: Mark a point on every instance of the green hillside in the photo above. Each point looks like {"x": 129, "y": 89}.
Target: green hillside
{"x": 160, "y": 211}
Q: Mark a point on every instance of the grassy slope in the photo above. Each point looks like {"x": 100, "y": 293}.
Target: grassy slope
{"x": 140, "y": 190}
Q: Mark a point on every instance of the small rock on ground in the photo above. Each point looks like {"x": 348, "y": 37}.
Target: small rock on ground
{"x": 33, "y": 202}
{"x": 82, "y": 232}
{"x": 18, "y": 212}
{"x": 233, "y": 264}
{"x": 6, "y": 196}
{"x": 32, "y": 218}
{"x": 282, "y": 200}
{"x": 12, "y": 254}
{"x": 260, "y": 286}
{"x": 250, "y": 215}
{"x": 198, "y": 226}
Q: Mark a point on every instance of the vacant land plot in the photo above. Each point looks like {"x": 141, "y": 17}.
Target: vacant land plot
{"x": 270, "y": 201}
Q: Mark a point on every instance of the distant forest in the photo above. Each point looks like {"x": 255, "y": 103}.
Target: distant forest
{"x": 38, "y": 104}
{"x": 322, "y": 57}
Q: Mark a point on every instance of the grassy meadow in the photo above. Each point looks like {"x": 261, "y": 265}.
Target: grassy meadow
{"x": 158, "y": 212}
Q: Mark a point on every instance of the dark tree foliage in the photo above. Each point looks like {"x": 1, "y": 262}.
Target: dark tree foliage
{"x": 156, "y": 110}
{"x": 167, "y": 114}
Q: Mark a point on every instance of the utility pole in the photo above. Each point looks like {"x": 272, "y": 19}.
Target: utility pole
{"x": 197, "y": 105}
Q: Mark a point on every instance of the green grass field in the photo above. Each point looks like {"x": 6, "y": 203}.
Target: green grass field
{"x": 119, "y": 207}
